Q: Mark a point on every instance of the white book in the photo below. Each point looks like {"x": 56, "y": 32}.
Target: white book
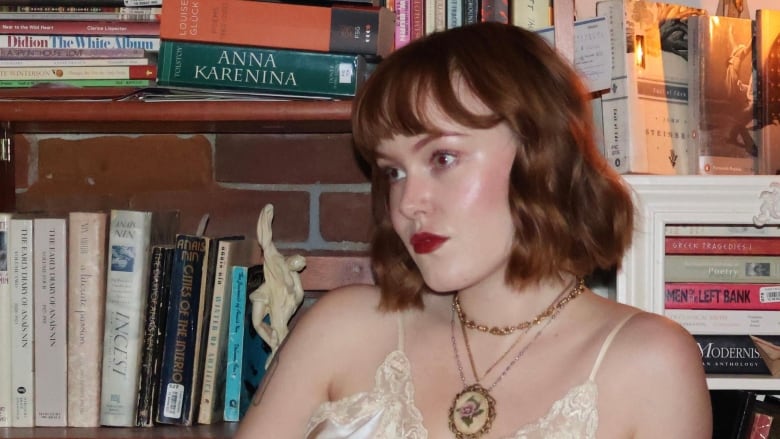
{"x": 20, "y": 276}
{"x": 5, "y": 326}
{"x": 126, "y": 286}
{"x": 86, "y": 307}
{"x": 50, "y": 291}
{"x": 746, "y": 230}
{"x": 735, "y": 322}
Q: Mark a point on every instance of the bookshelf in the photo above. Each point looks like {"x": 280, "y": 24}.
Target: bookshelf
{"x": 218, "y": 431}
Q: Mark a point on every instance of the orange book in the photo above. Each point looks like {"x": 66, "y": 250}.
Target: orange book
{"x": 336, "y": 28}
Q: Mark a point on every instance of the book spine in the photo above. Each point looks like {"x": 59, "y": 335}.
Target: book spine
{"x": 235, "y": 346}
{"x": 255, "y": 352}
{"x": 86, "y": 307}
{"x": 531, "y": 14}
{"x": 82, "y": 27}
{"x": 721, "y": 268}
{"x": 133, "y": 14}
{"x": 270, "y": 70}
{"x": 721, "y": 245}
{"x": 126, "y": 283}
{"x": 736, "y": 322}
{"x": 154, "y": 331}
{"x": 495, "y": 11}
{"x": 52, "y": 54}
{"x": 51, "y": 337}
{"x": 5, "y": 322}
{"x": 454, "y": 13}
{"x": 682, "y": 295}
{"x": 417, "y": 22}
{"x": 20, "y": 272}
{"x": 63, "y": 2}
{"x": 70, "y": 8}
{"x": 181, "y": 330}
{"x": 767, "y": 66}
{"x": 78, "y": 72}
{"x": 348, "y": 29}
{"x": 81, "y": 83}
{"x": 403, "y": 30}
{"x": 707, "y": 230}
{"x": 732, "y": 354}
{"x": 71, "y": 62}
{"x": 79, "y": 42}
{"x": 429, "y": 16}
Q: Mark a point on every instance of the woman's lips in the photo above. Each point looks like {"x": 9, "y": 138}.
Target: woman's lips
{"x": 426, "y": 242}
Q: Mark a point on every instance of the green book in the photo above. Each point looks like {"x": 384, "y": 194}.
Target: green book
{"x": 278, "y": 71}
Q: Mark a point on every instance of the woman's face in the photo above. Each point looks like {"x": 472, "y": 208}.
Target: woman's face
{"x": 448, "y": 200}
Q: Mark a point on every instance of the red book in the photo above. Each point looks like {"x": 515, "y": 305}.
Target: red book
{"x": 80, "y": 27}
{"x": 704, "y": 295}
{"x": 336, "y": 28}
{"x": 721, "y": 245}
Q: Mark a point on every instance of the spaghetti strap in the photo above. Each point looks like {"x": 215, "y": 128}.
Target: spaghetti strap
{"x": 401, "y": 331}
{"x": 607, "y": 342}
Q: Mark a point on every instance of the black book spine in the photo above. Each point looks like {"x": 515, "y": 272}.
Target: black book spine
{"x": 732, "y": 354}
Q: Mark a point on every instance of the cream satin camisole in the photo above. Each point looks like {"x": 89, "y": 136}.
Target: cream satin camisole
{"x": 388, "y": 412}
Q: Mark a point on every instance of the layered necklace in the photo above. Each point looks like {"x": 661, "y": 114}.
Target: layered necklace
{"x": 473, "y": 409}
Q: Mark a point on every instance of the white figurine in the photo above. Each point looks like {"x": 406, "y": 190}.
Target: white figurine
{"x": 281, "y": 292}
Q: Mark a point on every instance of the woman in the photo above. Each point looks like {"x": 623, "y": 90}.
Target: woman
{"x": 491, "y": 203}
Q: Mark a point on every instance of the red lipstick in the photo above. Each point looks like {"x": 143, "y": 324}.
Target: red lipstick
{"x": 426, "y": 242}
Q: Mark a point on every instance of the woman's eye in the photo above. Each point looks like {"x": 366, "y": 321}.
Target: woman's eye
{"x": 443, "y": 159}
{"x": 394, "y": 174}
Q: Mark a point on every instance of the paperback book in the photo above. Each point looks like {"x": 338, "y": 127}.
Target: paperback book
{"x": 722, "y": 268}
{"x": 713, "y": 295}
{"x": 5, "y": 322}
{"x": 732, "y": 354}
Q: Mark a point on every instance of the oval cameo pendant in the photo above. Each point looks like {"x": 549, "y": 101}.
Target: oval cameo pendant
{"x": 472, "y": 412}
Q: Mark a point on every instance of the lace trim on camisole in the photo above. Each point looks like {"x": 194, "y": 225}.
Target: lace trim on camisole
{"x": 388, "y": 411}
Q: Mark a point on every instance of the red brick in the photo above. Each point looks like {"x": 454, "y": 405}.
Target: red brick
{"x": 286, "y": 158}
{"x": 345, "y": 216}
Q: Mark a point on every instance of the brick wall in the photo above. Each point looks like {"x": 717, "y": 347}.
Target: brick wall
{"x": 318, "y": 188}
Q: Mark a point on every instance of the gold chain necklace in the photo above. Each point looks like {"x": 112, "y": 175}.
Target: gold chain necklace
{"x": 473, "y": 409}
{"x": 506, "y": 330}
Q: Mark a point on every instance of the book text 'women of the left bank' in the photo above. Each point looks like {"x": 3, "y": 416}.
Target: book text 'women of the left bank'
{"x": 79, "y": 42}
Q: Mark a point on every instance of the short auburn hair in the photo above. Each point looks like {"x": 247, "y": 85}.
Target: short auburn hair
{"x": 572, "y": 212}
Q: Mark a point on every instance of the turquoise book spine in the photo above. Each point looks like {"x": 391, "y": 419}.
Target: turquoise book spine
{"x": 263, "y": 70}
{"x": 235, "y": 347}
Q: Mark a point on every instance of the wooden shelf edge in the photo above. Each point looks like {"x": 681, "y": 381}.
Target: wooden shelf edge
{"x": 223, "y": 430}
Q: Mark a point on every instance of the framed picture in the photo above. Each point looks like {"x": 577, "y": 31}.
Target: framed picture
{"x": 726, "y": 200}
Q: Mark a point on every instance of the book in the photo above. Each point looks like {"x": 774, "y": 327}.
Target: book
{"x": 337, "y": 28}
{"x": 718, "y": 322}
{"x": 157, "y": 301}
{"x": 58, "y": 73}
{"x": 8, "y": 54}
{"x": 731, "y": 412}
{"x": 713, "y": 295}
{"x": 50, "y": 286}
{"x": 265, "y": 70}
{"x": 645, "y": 112}
{"x": 131, "y": 235}
{"x": 403, "y": 26}
{"x": 722, "y": 268}
{"x": 721, "y": 245}
{"x": 732, "y": 231}
{"x": 79, "y": 27}
{"x": 71, "y": 62}
{"x": 720, "y": 99}
{"x": 765, "y": 423}
{"x": 77, "y": 83}
{"x": 54, "y": 41}
{"x": 86, "y": 308}
{"x": 126, "y": 14}
{"x": 731, "y": 354}
{"x": 246, "y": 351}
{"x": 495, "y": 11}
{"x": 212, "y": 402}
{"x": 178, "y": 368}
{"x": 5, "y": 323}
{"x": 73, "y": 8}
{"x": 20, "y": 277}
{"x": 767, "y": 52}
{"x": 531, "y": 14}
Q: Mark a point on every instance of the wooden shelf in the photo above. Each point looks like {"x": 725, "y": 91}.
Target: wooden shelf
{"x": 110, "y": 116}
{"x": 217, "y": 431}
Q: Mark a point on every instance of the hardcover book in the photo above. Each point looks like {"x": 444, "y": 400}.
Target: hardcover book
{"x": 79, "y": 27}
{"x": 51, "y": 337}
{"x": 712, "y": 295}
{"x": 86, "y": 308}
{"x": 732, "y": 412}
{"x": 721, "y": 94}
{"x": 178, "y": 370}
{"x": 154, "y": 330}
{"x": 645, "y": 113}
{"x": 58, "y": 73}
{"x": 20, "y": 277}
{"x": 767, "y": 49}
{"x": 54, "y": 41}
{"x": 722, "y": 268}
{"x": 731, "y": 354}
{"x": 337, "y": 28}
{"x": 281, "y": 71}
{"x": 719, "y": 322}
{"x": 131, "y": 235}
{"x": 5, "y": 322}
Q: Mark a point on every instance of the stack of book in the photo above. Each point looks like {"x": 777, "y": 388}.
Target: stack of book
{"x": 274, "y": 49}
{"x": 722, "y": 283}
{"x": 135, "y": 322}
{"x": 55, "y": 43}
